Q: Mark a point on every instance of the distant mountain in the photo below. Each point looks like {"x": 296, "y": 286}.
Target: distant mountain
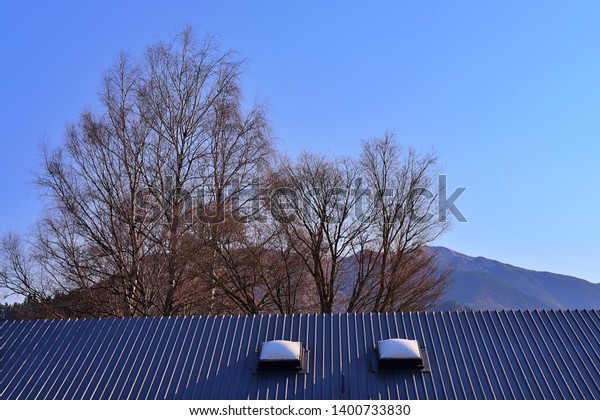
{"x": 481, "y": 283}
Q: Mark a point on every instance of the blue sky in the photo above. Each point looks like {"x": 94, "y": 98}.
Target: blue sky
{"x": 507, "y": 92}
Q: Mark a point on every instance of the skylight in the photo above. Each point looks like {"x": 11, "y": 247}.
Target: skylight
{"x": 280, "y": 354}
{"x": 399, "y": 352}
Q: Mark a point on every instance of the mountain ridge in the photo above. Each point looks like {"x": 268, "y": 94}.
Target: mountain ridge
{"x": 483, "y": 283}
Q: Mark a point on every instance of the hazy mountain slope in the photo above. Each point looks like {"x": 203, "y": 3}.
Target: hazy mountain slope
{"x": 481, "y": 283}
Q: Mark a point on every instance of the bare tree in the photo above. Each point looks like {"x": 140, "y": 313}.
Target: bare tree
{"x": 155, "y": 205}
{"x": 122, "y": 219}
{"x": 361, "y": 228}
{"x": 398, "y": 272}
{"x": 286, "y": 276}
{"x": 92, "y": 235}
{"x": 19, "y": 271}
{"x": 318, "y": 221}
{"x": 182, "y": 98}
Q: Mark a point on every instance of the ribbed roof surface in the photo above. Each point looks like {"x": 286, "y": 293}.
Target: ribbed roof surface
{"x": 472, "y": 355}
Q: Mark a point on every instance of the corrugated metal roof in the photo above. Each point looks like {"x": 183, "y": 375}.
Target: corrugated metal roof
{"x": 472, "y": 355}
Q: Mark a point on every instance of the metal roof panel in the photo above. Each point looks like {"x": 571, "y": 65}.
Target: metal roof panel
{"x": 472, "y": 355}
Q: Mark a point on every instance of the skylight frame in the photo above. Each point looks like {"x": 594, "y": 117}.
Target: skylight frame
{"x": 406, "y": 363}
{"x": 282, "y": 364}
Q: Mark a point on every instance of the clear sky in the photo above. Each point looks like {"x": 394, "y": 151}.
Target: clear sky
{"x": 507, "y": 92}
